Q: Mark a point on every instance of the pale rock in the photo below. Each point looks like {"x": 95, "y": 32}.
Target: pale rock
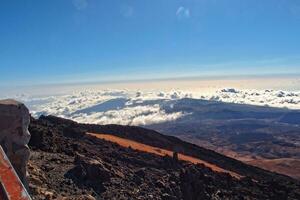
{"x": 14, "y": 134}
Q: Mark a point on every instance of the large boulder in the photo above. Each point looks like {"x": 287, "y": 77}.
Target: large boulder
{"x": 14, "y": 134}
{"x": 93, "y": 170}
{"x": 89, "y": 172}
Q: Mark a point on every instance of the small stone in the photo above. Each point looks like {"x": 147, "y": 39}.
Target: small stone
{"x": 49, "y": 195}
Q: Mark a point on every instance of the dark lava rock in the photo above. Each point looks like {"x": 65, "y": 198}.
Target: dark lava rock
{"x": 68, "y": 164}
{"x": 141, "y": 172}
{"x": 93, "y": 169}
{"x": 89, "y": 172}
{"x": 90, "y": 169}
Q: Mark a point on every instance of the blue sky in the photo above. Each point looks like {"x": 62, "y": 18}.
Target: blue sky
{"x": 58, "y": 41}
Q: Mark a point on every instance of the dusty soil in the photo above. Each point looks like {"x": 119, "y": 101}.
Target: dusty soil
{"x": 288, "y": 166}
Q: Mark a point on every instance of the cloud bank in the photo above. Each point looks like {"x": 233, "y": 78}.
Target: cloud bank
{"x": 146, "y": 107}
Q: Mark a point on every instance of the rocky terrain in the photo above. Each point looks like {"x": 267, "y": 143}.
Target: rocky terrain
{"x": 66, "y": 163}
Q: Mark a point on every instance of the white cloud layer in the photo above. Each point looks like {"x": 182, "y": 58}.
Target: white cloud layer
{"x": 146, "y": 107}
{"x": 139, "y": 115}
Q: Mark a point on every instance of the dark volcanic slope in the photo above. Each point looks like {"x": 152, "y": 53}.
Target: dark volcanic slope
{"x": 156, "y": 139}
{"x": 65, "y": 162}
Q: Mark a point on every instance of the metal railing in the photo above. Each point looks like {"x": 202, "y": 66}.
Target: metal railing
{"x": 11, "y": 187}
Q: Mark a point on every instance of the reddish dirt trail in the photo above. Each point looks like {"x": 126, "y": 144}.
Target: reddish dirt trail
{"x": 159, "y": 151}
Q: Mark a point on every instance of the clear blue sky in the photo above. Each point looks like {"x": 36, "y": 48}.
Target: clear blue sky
{"x": 53, "y": 41}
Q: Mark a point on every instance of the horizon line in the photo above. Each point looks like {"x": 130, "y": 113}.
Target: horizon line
{"x": 179, "y": 78}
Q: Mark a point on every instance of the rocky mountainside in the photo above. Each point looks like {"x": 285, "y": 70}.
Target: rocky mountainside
{"x": 66, "y": 163}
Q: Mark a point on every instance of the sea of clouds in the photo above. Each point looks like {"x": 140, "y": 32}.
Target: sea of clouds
{"x": 145, "y": 107}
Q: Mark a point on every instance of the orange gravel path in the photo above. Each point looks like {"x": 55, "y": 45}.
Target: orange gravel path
{"x": 159, "y": 151}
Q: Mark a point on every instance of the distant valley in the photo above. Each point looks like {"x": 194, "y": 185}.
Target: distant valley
{"x": 262, "y": 136}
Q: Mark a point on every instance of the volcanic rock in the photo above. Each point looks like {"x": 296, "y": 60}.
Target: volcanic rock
{"x": 81, "y": 166}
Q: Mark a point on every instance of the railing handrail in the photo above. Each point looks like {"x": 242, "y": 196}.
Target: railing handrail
{"x": 11, "y": 186}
